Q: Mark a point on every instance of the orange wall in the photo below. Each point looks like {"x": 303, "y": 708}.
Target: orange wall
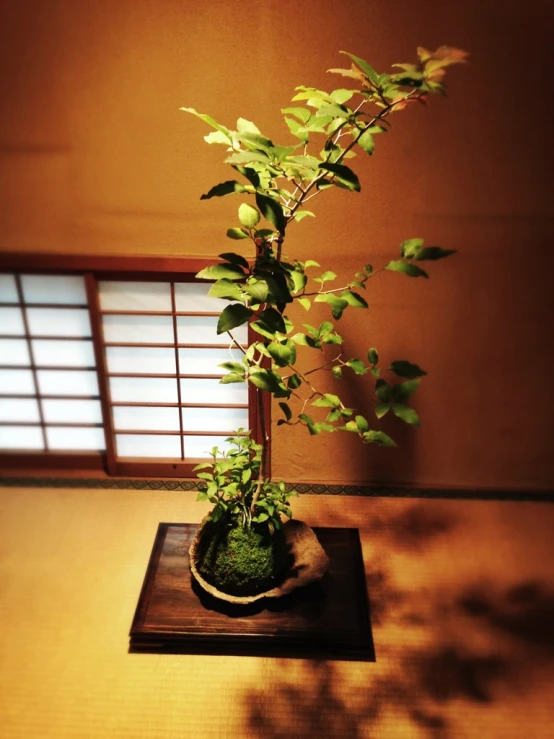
{"x": 95, "y": 157}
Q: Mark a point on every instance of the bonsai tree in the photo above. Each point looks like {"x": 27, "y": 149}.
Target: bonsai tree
{"x": 276, "y": 183}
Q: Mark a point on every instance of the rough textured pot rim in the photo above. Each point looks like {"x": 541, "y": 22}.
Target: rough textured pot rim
{"x": 301, "y": 540}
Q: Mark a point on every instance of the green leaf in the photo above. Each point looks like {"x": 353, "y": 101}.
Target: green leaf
{"x": 350, "y": 426}
{"x": 337, "y": 372}
{"x": 343, "y": 174}
{"x": 248, "y": 216}
{"x": 244, "y": 126}
{"x": 266, "y": 380}
{"x": 311, "y": 263}
{"x": 397, "y": 265}
{"x": 233, "y": 258}
{"x": 260, "y": 518}
{"x": 406, "y": 413}
{"x": 361, "y": 423}
{"x": 300, "y": 339}
{"x": 342, "y": 96}
{"x": 232, "y": 377}
{"x": 366, "y": 68}
{"x": 246, "y": 157}
{"x": 328, "y": 400}
{"x": 271, "y": 320}
{"x": 353, "y": 299}
{"x": 257, "y": 289}
{"x": 217, "y": 137}
{"x": 233, "y": 367}
{"x": 294, "y": 382}
{"x": 301, "y": 214}
{"x": 271, "y": 211}
{"x": 286, "y": 410}
{"x": 202, "y": 466}
{"x": 224, "y": 188}
{"x": 201, "y": 497}
{"x": 327, "y": 276}
{"x": 297, "y": 129}
{"x": 402, "y": 368}
{"x": 225, "y": 289}
{"x": 434, "y": 253}
{"x": 282, "y": 354}
{"x": 357, "y": 365}
{"x": 379, "y": 438}
{"x": 381, "y": 409}
{"x": 310, "y": 423}
{"x": 366, "y": 142}
{"x": 210, "y": 121}
{"x": 251, "y": 175}
{"x": 305, "y": 303}
{"x": 382, "y": 391}
{"x": 299, "y": 280}
{"x": 232, "y": 316}
{"x": 337, "y": 304}
{"x": 237, "y": 233}
{"x": 410, "y": 248}
{"x": 255, "y": 141}
{"x": 221, "y": 271}
{"x": 372, "y": 356}
{"x": 404, "y": 390}
{"x": 303, "y": 114}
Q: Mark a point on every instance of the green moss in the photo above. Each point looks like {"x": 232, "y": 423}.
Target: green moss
{"x": 240, "y": 561}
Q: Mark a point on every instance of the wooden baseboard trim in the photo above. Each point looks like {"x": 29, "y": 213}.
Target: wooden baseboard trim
{"x": 375, "y": 491}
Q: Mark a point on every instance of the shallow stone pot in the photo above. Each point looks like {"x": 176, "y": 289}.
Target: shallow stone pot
{"x": 308, "y": 563}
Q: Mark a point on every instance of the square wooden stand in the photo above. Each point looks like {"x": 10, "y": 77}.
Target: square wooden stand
{"x": 328, "y": 619}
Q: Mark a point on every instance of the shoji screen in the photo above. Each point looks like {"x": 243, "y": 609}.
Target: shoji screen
{"x": 49, "y": 397}
{"x": 161, "y": 360}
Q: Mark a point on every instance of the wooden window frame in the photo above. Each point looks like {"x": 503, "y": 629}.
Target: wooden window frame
{"x": 94, "y": 268}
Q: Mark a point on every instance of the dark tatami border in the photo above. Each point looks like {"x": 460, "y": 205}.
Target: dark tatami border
{"x": 375, "y": 491}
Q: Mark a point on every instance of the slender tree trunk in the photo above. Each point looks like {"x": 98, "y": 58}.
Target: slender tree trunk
{"x": 265, "y": 449}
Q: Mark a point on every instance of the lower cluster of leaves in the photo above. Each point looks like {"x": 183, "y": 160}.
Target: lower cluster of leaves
{"x": 232, "y": 482}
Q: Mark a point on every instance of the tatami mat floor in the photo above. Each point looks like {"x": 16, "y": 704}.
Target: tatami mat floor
{"x": 462, "y": 598}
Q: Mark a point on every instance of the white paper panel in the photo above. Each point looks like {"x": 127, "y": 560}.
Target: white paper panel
{"x": 150, "y": 296}
{"x": 146, "y": 445}
{"x": 145, "y": 419}
{"x": 17, "y": 382}
{"x": 21, "y": 437}
{"x": 54, "y": 289}
{"x": 205, "y": 361}
{"x": 203, "y": 330}
{"x": 214, "y": 419}
{"x": 83, "y": 439}
{"x": 72, "y": 411}
{"x": 17, "y": 409}
{"x": 58, "y": 322}
{"x": 14, "y": 351}
{"x": 201, "y": 446}
{"x": 63, "y": 353}
{"x": 63, "y": 382}
{"x": 8, "y": 290}
{"x": 11, "y": 322}
{"x": 140, "y": 360}
{"x": 149, "y": 390}
{"x": 193, "y": 297}
{"x": 138, "y": 329}
{"x": 212, "y": 391}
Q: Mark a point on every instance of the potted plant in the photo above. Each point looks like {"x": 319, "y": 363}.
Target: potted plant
{"x": 241, "y": 548}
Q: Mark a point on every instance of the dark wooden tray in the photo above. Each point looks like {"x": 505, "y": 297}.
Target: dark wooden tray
{"x": 328, "y": 619}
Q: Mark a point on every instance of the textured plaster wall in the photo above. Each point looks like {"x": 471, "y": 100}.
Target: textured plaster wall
{"x": 95, "y": 157}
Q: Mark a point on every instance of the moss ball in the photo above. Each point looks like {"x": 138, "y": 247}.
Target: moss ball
{"x": 241, "y": 561}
